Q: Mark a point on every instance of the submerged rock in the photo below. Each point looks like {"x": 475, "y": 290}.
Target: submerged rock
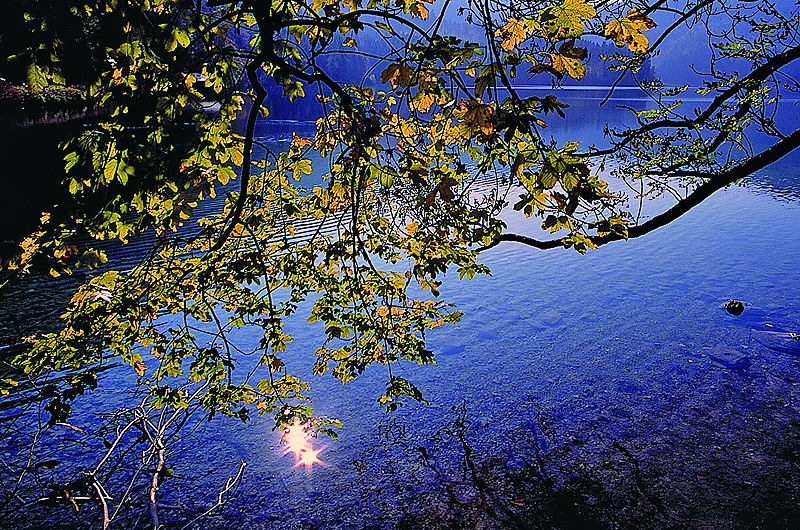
{"x": 734, "y": 307}
{"x": 782, "y": 341}
{"x": 730, "y": 359}
{"x": 551, "y": 317}
{"x": 452, "y": 349}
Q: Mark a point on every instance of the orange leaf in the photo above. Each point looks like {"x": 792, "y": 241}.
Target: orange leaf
{"x": 513, "y": 33}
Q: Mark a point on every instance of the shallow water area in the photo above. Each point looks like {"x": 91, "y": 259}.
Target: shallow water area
{"x": 620, "y": 368}
{"x": 627, "y": 343}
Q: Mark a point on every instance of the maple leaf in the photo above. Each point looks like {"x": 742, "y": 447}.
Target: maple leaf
{"x": 444, "y": 189}
{"x": 513, "y": 33}
{"x": 418, "y": 10}
{"x": 422, "y": 102}
{"x": 551, "y": 104}
{"x": 429, "y": 82}
{"x": 482, "y": 83}
{"x": 565, "y": 21}
{"x": 568, "y": 49}
{"x": 573, "y": 67}
{"x": 475, "y": 118}
{"x": 544, "y": 67}
{"x": 316, "y": 5}
{"x": 399, "y": 75}
{"x": 300, "y": 142}
{"x": 628, "y": 31}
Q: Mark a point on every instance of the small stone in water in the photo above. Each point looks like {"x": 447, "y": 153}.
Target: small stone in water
{"x": 734, "y": 307}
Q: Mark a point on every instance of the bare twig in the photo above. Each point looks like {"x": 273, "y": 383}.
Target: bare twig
{"x": 222, "y": 498}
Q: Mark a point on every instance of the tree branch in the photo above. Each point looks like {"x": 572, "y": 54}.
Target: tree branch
{"x": 252, "y": 118}
{"x": 756, "y": 76}
{"x": 701, "y": 193}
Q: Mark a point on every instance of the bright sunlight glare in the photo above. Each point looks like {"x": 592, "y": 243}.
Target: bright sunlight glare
{"x": 299, "y": 443}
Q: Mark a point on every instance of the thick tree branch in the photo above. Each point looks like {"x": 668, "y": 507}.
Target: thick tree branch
{"x": 701, "y": 193}
{"x": 714, "y": 184}
{"x": 236, "y": 212}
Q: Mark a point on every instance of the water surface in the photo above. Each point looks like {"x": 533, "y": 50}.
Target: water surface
{"x": 627, "y": 343}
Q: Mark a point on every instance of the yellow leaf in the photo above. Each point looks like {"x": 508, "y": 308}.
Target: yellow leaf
{"x": 140, "y": 368}
{"x": 78, "y": 429}
{"x": 513, "y": 33}
{"x": 629, "y": 31}
{"x": 299, "y": 142}
{"x": 422, "y": 102}
{"x": 237, "y": 155}
{"x": 418, "y": 10}
{"x": 573, "y": 67}
{"x": 37, "y": 80}
{"x": 517, "y": 166}
{"x": 565, "y": 21}
{"x": 316, "y": 5}
{"x": 110, "y": 170}
{"x": 302, "y": 167}
{"x": 190, "y": 81}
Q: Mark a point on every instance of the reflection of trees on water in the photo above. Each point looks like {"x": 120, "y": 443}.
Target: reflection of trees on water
{"x": 678, "y": 466}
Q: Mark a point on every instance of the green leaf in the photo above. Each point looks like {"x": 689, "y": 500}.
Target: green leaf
{"x": 482, "y": 82}
{"x": 548, "y": 177}
{"x": 182, "y": 37}
{"x": 110, "y": 170}
{"x": 37, "y": 79}
{"x": 225, "y": 174}
{"x": 565, "y": 21}
{"x": 385, "y": 27}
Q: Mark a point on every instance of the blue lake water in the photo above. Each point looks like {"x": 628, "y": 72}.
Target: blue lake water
{"x": 628, "y": 342}
{"x": 611, "y": 339}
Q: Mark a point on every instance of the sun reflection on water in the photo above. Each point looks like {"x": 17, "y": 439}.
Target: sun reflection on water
{"x": 299, "y": 442}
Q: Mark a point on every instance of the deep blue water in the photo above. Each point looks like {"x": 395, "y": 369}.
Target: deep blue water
{"x": 625, "y": 342}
